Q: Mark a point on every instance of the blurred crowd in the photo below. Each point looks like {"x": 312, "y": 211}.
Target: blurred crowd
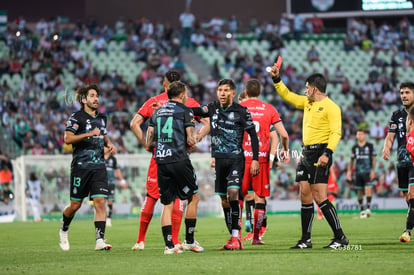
{"x": 35, "y": 115}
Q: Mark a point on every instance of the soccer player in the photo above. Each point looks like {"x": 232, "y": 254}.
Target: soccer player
{"x": 362, "y": 162}
{"x": 406, "y": 236}
{"x": 397, "y": 129}
{"x": 152, "y": 196}
{"x": 171, "y": 132}
{"x": 321, "y": 134}
{"x": 112, "y": 170}
{"x": 229, "y": 121}
{"x": 86, "y": 131}
{"x": 264, "y": 116}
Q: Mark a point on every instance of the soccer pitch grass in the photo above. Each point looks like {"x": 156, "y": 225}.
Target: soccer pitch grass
{"x": 32, "y": 248}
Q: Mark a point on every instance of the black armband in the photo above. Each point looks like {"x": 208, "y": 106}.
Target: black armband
{"x": 276, "y": 79}
{"x": 328, "y": 152}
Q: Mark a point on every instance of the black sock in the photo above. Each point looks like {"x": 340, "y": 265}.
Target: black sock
{"x": 66, "y": 222}
{"x": 227, "y": 218}
{"x": 361, "y": 205}
{"x": 264, "y": 224}
{"x": 109, "y": 210}
{"x": 410, "y": 216}
{"x": 235, "y": 215}
{"x": 249, "y": 211}
{"x": 329, "y": 212}
{"x": 189, "y": 230}
{"x": 100, "y": 230}
{"x": 369, "y": 202}
{"x": 167, "y": 233}
{"x": 307, "y": 213}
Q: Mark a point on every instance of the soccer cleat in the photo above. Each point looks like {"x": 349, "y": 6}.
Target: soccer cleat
{"x": 232, "y": 244}
{"x": 173, "y": 250}
{"x": 101, "y": 245}
{"x": 179, "y": 246}
{"x": 63, "y": 240}
{"x": 337, "y": 243}
{"x": 368, "y": 213}
{"x": 363, "y": 215}
{"x": 248, "y": 237}
{"x": 108, "y": 222}
{"x": 240, "y": 244}
{"x": 405, "y": 237}
{"x": 257, "y": 242}
{"x": 138, "y": 246}
{"x": 248, "y": 226}
{"x": 262, "y": 232}
{"x": 303, "y": 244}
{"x": 195, "y": 247}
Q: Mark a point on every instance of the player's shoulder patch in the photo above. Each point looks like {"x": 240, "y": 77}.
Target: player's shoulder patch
{"x": 204, "y": 109}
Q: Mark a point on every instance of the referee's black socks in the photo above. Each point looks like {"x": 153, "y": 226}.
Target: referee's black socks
{"x": 329, "y": 212}
{"x": 307, "y": 214}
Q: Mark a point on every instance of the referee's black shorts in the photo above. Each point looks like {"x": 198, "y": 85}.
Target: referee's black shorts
{"x": 308, "y": 169}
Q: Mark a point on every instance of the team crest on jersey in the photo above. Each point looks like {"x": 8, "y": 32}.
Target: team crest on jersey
{"x": 410, "y": 140}
{"x": 231, "y": 116}
{"x": 320, "y": 109}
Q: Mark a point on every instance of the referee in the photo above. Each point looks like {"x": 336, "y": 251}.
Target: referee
{"x": 321, "y": 134}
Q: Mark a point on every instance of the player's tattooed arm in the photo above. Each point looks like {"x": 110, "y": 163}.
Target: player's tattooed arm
{"x": 191, "y": 136}
{"x": 150, "y": 140}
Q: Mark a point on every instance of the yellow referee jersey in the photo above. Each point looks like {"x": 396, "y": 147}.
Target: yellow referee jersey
{"x": 322, "y": 120}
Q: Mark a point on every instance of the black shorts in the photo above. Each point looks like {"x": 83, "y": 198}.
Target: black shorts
{"x": 87, "y": 182}
{"x": 229, "y": 174}
{"x": 405, "y": 177}
{"x": 176, "y": 179}
{"x": 307, "y": 169}
{"x": 111, "y": 192}
{"x": 362, "y": 181}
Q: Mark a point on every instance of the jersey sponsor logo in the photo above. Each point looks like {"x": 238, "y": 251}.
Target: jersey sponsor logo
{"x": 300, "y": 173}
{"x": 400, "y": 119}
{"x": 204, "y": 109}
{"x": 393, "y": 126}
{"x": 410, "y": 140}
{"x": 75, "y": 126}
{"x": 164, "y": 153}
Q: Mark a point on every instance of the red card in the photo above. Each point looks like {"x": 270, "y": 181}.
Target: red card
{"x": 279, "y": 62}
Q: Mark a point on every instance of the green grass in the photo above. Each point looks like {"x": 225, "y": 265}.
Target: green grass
{"x": 32, "y": 248}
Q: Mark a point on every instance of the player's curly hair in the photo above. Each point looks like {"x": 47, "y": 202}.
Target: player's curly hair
{"x": 82, "y": 93}
{"x": 409, "y": 85}
{"x": 172, "y": 76}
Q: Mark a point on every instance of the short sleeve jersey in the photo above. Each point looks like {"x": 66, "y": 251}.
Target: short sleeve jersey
{"x": 111, "y": 166}
{"x": 363, "y": 156}
{"x": 264, "y": 116}
{"x": 88, "y": 153}
{"x": 397, "y": 126}
{"x": 410, "y": 145}
{"x": 170, "y": 122}
{"x": 227, "y": 128}
{"x": 146, "y": 110}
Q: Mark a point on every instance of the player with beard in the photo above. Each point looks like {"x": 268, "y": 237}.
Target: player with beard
{"x": 86, "y": 131}
{"x": 143, "y": 114}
